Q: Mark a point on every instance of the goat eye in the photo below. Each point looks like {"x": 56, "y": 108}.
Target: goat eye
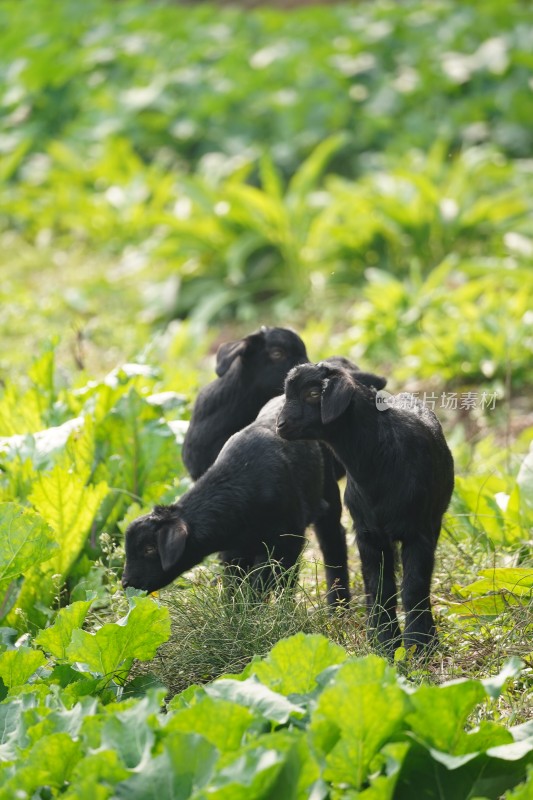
{"x": 149, "y": 550}
{"x": 313, "y": 396}
{"x": 277, "y": 354}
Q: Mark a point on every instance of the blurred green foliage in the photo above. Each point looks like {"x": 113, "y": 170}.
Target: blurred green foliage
{"x": 184, "y": 82}
{"x": 222, "y": 165}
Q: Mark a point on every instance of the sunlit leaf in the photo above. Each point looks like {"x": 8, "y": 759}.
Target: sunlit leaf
{"x": 222, "y": 723}
{"x": 113, "y": 647}
{"x": 355, "y": 716}
{"x": 253, "y": 695}
{"x": 184, "y": 766}
{"x": 57, "y": 637}
{"x": 16, "y": 666}
{"x": 25, "y": 539}
{"x": 68, "y": 505}
{"x": 293, "y": 663}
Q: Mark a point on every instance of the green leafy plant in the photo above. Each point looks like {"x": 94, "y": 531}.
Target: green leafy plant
{"x": 26, "y": 540}
{"x": 496, "y": 507}
{"x": 452, "y": 327}
{"x": 180, "y": 87}
{"x": 338, "y": 727}
{"x": 80, "y": 478}
{"x": 496, "y": 590}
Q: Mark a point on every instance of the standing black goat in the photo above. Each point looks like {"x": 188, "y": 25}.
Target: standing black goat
{"x": 250, "y": 372}
{"x": 256, "y": 500}
{"x": 400, "y": 480}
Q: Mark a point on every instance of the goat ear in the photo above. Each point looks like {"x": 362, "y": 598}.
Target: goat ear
{"x": 336, "y": 397}
{"x": 226, "y": 355}
{"x": 369, "y": 379}
{"x": 229, "y": 351}
{"x": 171, "y": 540}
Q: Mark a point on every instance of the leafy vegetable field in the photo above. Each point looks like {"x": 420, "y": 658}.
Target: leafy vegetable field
{"x": 172, "y": 177}
{"x": 305, "y": 721}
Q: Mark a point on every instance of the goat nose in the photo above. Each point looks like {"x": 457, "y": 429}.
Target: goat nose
{"x": 125, "y": 583}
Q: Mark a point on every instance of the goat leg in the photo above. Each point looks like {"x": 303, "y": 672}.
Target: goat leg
{"x": 377, "y": 563}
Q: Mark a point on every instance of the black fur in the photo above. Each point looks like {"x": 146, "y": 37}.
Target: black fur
{"x": 400, "y": 480}
{"x": 250, "y": 371}
{"x": 255, "y": 502}
{"x": 366, "y": 378}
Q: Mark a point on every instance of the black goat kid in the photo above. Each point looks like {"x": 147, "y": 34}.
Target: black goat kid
{"x": 256, "y": 501}
{"x": 251, "y": 371}
{"x": 400, "y": 480}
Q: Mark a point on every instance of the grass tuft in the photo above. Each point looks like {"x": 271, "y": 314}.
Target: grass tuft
{"x": 219, "y": 628}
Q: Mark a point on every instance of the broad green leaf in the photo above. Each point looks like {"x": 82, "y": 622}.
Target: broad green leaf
{"x": 13, "y": 728}
{"x": 104, "y": 766}
{"x": 253, "y": 695}
{"x": 479, "y": 495}
{"x": 458, "y": 777}
{"x": 41, "y": 374}
{"x": 524, "y": 791}
{"x": 10, "y": 596}
{"x": 137, "y": 453}
{"x": 512, "y": 751}
{"x": 185, "y": 765}
{"x": 114, "y": 646}
{"x": 48, "y": 763}
{"x": 293, "y": 663}
{"x": 89, "y": 788}
{"x": 42, "y": 448}
{"x": 523, "y": 731}
{"x": 81, "y": 446}
{"x": 61, "y": 719}
{"x": 69, "y": 506}
{"x": 25, "y": 539}
{"x": 17, "y": 666}
{"x": 267, "y": 768}
{"x": 488, "y": 606}
{"x": 131, "y": 732}
{"x": 187, "y": 698}
{"x": 355, "y": 716}
{"x": 516, "y": 580}
{"x": 20, "y": 413}
{"x": 382, "y": 786}
{"x": 222, "y": 723}
{"x": 488, "y": 734}
{"x": 57, "y": 637}
{"x": 450, "y": 704}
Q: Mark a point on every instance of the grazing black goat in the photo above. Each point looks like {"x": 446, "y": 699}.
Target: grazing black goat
{"x": 256, "y": 502}
{"x": 400, "y": 480}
